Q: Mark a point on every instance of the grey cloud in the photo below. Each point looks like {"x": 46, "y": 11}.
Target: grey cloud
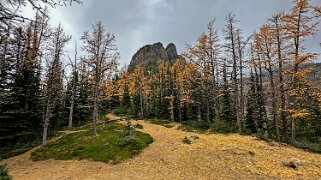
{"x": 139, "y": 22}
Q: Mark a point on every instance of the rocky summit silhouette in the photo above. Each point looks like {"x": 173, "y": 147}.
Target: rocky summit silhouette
{"x": 148, "y": 55}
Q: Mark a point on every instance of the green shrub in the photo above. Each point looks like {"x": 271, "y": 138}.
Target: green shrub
{"x": 121, "y": 111}
{"x": 4, "y": 173}
{"x": 186, "y": 140}
{"x": 193, "y": 126}
{"x": 314, "y": 147}
{"x": 223, "y": 127}
{"x": 169, "y": 125}
{"x": 128, "y": 141}
{"x": 138, "y": 126}
{"x": 161, "y": 122}
{"x": 189, "y": 128}
{"x": 261, "y": 134}
{"x": 104, "y": 117}
{"x": 128, "y": 130}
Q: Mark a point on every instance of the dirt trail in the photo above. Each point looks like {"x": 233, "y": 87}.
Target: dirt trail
{"x": 213, "y": 156}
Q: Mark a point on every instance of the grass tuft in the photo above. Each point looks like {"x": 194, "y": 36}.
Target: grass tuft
{"x": 138, "y": 126}
{"x": 161, "y": 122}
{"x": 4, "y": 173}
{"x": 190, "y": 128}
{"x": 186, "y": 140}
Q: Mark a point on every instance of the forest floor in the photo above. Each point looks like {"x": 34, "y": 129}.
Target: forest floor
{"x": 212, "y": 156}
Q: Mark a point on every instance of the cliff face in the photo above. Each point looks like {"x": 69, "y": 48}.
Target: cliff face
{"x": 148, "y": 55}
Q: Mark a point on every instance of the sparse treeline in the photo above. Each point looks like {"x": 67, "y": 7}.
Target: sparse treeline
{"x": 265, "y": 84}
{"x": 39, "y": 94}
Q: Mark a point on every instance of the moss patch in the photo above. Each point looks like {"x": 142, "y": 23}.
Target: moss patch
{"x": 111, "y": 145}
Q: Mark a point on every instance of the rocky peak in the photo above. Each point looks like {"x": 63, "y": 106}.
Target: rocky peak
{"x": 150, "y": 54}
{"x": 171, "y": 51}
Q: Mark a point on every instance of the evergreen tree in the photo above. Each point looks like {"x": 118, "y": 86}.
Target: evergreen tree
{"x": 251, "y": 107}
{"x": 54, "y": 82}
{"x": 227, "y": 115}
{"x": 20, "y": 104}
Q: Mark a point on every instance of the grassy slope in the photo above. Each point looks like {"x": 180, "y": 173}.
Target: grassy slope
{"x": 109, "y": 146}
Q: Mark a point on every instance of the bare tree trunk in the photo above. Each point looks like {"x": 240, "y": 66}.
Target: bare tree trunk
{"x": 293, "y": 129}
{"x": 295, "y": 70}
{"x": 275, "y": 119}
{"x": 199, "y": 116}
{"x": 45, "y": 133}
{"x": 46, "y": 124}
{"x": 71, "y": 110}
{"x": 95, "y": 112}
{"x": 293, "y": 99}
{"x": 262, "y": 96}
{"x": 180, "y": 105}
{"x": 141, "y": 102}
{"x": 172, "y": 108}
{"x": 281, "y": 80}
{"x": 214, "y": 79}
{"x": 208, "y": 118}
{"x": 282, "y": 98}
{"x": 236, "y": 91}
{"x": 180, "y": 111}
{"x": 240, "y": 110}
{"x": 73, "y": 89}
{"x": 234, "y": 73}
{"x": 256, "y": 83}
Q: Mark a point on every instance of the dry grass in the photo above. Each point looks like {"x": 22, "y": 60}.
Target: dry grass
{"x": 212, "y": 156}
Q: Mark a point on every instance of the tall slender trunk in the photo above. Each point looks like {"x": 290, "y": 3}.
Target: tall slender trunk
{"x": 208, "y": 118}
{"x": 95, "y": 112}
{"x": 214, "y": 79}
{"x": 199, "y": 116}
{"x": 180, "y": 111}
{"x": 180, "y": 105}
{"x": 281, "y": 80}
{"x": 172, "y": 107}
{"x": 71, "y": 110}
{"x": 46, "y": 124}
{"x": 295, "y": 70}
{"x": 275, "y": 120}
{"x": 45, "y": 133}
{"x": 72, "y": 103}
{"x": 235, "y": 83}
{"x": 241, "y": 93}
{"x": 265, "y": 118}
{"x": 256, "y": 88}
{"x": 141, "y": 101}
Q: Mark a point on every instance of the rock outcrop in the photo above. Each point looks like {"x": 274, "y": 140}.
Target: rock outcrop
{"x": 148, "y": 55}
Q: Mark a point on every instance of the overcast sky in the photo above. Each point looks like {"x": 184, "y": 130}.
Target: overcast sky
{"x": 139, "y": 22}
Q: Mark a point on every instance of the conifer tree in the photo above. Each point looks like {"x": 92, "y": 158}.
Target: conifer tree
{"x": 264, "y": 41}
{"x": 298, "y": 24}
{"x": 227, "y": 115}
{"x": 102, "y": 59}
{"x": 231, "y": 37}
{"x": 54, "y": 86}
{"x": 251, "y": 106}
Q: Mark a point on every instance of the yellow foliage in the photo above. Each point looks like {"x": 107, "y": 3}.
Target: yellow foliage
{"x": 299, "y": 113}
